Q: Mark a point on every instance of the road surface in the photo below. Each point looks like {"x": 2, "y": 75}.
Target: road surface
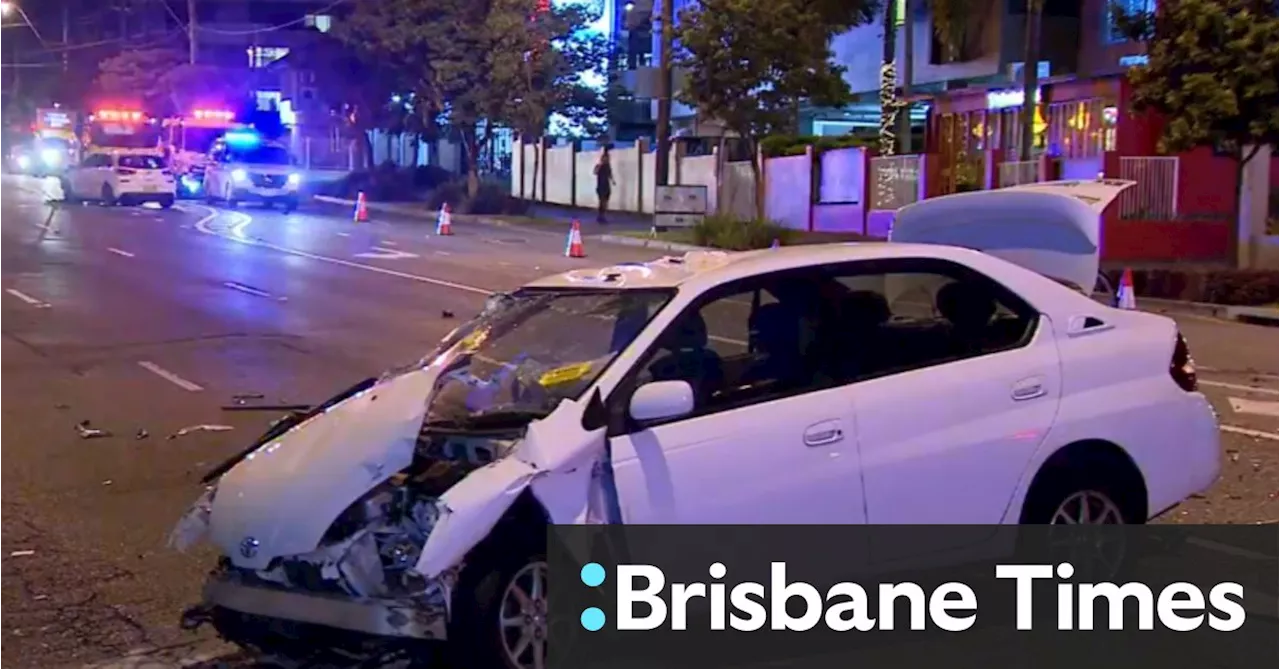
{"x": 142, "y": 322}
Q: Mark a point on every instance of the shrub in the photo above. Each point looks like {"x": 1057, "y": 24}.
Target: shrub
{"x": 453, "y": 192}
{"x": 735, "y": 234}
{"x": 792, "y": 145}
{"x": 492, "y": 198}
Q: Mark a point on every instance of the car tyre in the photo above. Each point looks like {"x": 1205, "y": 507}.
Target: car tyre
{"x": 500, "y": 614}
{"x": 290, "y": 206}
{"x": 1083, "y": 495}
{"x": 68, "y": 195}
{"x": 167, "y": 202}
{"x": 108, "y": 196}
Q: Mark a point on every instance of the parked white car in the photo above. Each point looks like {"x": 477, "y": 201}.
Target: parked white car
{"x": 121, "y": 177}
{"x": 878, "y": 383}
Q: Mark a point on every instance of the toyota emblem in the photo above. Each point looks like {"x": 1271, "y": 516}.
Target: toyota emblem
{"x": 249, "y": 547}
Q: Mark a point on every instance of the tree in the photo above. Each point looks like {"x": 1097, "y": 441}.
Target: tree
{"x": 1030, "y": 74}
{"x": 166, "y": 83}
{"x": 472, "y": 64}
{"x": 1211, "y": 73}
{"x": 751, "y": 64}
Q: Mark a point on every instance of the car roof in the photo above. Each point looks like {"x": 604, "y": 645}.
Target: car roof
{"x": 700, "y": 271}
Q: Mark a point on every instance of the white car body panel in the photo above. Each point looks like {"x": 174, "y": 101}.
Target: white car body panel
{"x": 1031, "y": 225}
{"x": 218, "y": 180}
{"x": 956, "y": 443}
{"x": 87, "y": 182}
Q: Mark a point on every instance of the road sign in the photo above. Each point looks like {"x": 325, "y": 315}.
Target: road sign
{"x": 383, "y": 253}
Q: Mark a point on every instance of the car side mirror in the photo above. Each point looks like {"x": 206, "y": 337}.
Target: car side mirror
{"x": 661, "y": 400}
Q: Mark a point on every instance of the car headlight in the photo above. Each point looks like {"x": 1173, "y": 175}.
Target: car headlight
{"x": 295, "y": 179}
{"x": 24, "y": 162}
{"x": 51, "y": 156}
{"x": 239, "y": 175}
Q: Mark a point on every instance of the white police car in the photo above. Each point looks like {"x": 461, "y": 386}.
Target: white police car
{"x": 246, "y": 168}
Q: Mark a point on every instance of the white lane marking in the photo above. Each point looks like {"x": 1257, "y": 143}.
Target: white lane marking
{"x": 203, "y": 226}
{"x": 381, "y": 253}
{"x": 446, "y": 253}
{"x": 245, "y": 289}
{"x": 119, "y": 252}
{"x": 39, "y": 304}
{"x": 1257, "y": 434}
{"x": 170, "y": 376}
{"x": 1255, "y": 407}
{"x": 388, "y": 242}
{"x": 1240, "y": 387}
{"x": 344, "y": 234}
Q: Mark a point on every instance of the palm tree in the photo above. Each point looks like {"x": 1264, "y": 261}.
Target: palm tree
{"x": 1030, "y": 70}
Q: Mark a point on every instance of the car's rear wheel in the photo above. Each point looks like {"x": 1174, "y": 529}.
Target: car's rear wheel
{"x": 1092, "y": 493}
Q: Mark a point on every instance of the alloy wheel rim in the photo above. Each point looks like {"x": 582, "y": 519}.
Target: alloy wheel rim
{"x": 1087, "y": 507}
{"x": 522, "y": 617}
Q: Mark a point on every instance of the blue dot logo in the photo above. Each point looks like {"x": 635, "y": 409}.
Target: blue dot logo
{"x": 592, "y": 619}
{"x": 592, "y": 574}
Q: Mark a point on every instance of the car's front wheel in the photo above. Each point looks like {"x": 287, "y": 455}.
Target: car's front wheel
{"x": 108, "y": 196}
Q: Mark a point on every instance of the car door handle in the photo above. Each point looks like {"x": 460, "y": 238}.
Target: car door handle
{"x": 1028, "y": 389}
{"x": 821, "y": 434}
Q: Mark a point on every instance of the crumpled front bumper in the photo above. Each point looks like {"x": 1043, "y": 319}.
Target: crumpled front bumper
{"x": 402, "y": 618}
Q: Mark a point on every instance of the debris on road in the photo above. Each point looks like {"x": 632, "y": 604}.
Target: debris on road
{"x": 141, "y": 434}
{"x": 107, "y": 482}
{"x": 87, "y": 431}
{"x": 22, "y": 553}
{"x": 446, "y": 314}
{"x": 240, "y": 398}
{"x": 266, "y": 407}
{"x": 61, "y": 407}
{"x": 200, "y": 428}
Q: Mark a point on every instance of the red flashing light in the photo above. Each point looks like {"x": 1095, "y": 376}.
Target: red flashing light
{"x": 118, "y": 115}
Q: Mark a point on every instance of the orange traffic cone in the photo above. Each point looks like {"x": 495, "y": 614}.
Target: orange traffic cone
{"x": 362, "y": 209}
{"x": 1124, "y": 294}
{"x": 573, "y": 249}
{"x": 444, "y": 222}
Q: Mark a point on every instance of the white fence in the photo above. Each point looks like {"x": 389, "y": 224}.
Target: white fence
{"x": 568, "y": 178}
{"x": 1018, "y": 172}
{"x": 1155, "y": 197}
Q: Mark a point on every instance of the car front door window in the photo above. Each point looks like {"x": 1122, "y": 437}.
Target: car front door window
{"x": 765, "y": 442}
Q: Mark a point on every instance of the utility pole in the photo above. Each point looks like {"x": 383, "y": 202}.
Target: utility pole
{"x": 665, "y": 82}
{"x": 908, "y": 69}
{"x": 66, "y": 36}
{"x": 191, "y": 31}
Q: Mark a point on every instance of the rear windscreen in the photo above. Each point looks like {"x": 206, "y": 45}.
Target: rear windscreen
{"x": 142, "y": 162}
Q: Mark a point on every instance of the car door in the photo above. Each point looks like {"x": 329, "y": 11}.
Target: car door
{"x": 87, "y": 179}
{"x": 956, "y": 385}
{"x": 766, "y": 442}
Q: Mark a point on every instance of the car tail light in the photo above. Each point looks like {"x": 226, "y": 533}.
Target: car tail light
{"x": 1183, "y": 368}
{"x": 125, "y": 172}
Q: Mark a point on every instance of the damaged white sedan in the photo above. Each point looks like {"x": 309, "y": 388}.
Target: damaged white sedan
{"x": 898, "y": 383}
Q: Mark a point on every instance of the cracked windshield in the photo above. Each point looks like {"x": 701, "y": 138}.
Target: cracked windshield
{"x": 307, "y": 303}
{"x": 536, "y": 349}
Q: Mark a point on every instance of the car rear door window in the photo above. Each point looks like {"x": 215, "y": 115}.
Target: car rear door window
{"x": 142, "y": 162}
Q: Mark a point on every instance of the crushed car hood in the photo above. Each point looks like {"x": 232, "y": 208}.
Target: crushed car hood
{"x": 281, "y": 499}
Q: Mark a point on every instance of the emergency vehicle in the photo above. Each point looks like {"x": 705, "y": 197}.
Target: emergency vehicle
{"x": 190, "y": 139}
{"x": 52, "y": 144}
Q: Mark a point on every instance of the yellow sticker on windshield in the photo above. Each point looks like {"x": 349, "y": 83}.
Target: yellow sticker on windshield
{"x": 564, "y": 374}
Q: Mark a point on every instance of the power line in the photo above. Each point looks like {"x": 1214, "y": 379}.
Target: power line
{"x": 268, "y": 29}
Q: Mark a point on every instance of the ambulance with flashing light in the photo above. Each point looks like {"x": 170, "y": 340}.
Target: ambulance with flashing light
{"x": 51, "y": 146}
{"x": 190, "y": 140}
{"x": 246, "y": 167}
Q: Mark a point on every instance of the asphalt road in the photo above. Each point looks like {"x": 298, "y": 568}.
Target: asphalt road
{"x": 144, "y": 321}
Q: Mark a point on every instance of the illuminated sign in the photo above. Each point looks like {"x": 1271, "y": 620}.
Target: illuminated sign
{"x": 213, "y": 115}
{"x": 118, "y": 115}
{"x": 1006, "y": 99}
{"x": 1133, "y": 61}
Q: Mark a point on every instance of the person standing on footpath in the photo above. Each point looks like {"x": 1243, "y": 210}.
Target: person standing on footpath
{"x": 604, "y": 184}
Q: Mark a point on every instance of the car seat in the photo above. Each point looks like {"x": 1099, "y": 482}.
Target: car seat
{"x": 969, "y": 308}
{"x": 689, "y": 359}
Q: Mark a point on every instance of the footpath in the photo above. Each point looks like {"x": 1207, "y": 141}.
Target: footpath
{"x": 629, "y": 229}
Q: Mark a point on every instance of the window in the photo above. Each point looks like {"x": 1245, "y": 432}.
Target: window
{"x": 142, "y": 162}
{"x": 321, "y": 22}
{"x": 262, "y": 56}
{"x": 805, "y": 330}
{"x": 1110, "y": 33}
{"x": 921, "y": 313}
{"x": 97, "y": 160}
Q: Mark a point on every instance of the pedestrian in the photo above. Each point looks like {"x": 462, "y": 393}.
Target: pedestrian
{"x": 604, "y": 184}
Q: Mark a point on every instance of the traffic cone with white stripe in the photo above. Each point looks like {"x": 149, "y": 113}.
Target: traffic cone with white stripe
{"x": 362, "y": 209}
{"x": 573, "y": 249}
{"x": 1124, "y": 294}
{"x": 444, "y": 221}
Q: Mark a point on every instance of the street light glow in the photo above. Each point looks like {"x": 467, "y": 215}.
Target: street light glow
{"x": 5, "y": 8}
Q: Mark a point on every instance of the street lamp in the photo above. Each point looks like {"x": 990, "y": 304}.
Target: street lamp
{"x": 5, "y": 8}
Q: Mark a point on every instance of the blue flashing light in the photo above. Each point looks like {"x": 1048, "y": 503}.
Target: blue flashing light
{"x": 243, "y": 139}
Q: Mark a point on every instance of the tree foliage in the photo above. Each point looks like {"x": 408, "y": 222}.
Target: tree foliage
{"x": 473, "y": 64}
{"x": 1211, "y": 72}
{"x": 751, "y": 65}
{"x": 166, "y": 83}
